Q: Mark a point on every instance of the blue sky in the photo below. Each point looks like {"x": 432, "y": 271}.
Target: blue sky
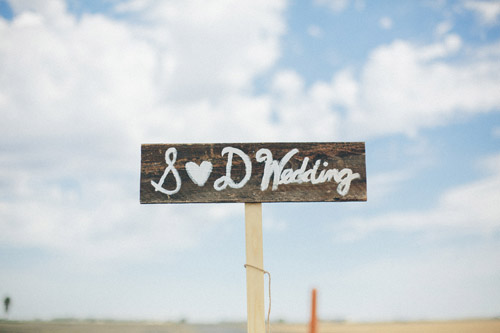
{"x": 84, "y": 84}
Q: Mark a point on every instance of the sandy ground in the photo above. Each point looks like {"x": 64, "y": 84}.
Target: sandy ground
{"x": 465, "y": 326}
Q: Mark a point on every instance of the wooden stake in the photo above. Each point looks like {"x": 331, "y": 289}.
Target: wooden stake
{"x": 313, "y": 326}
{"x": 255, "y": 277}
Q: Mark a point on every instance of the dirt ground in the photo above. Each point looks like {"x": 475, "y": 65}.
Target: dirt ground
{"x": 465, "y": 326}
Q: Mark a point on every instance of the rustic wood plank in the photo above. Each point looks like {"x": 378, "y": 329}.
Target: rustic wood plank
{"x": 175, "y": 173}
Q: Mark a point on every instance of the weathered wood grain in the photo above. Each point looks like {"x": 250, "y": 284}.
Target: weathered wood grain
{"x": 338, "y": 155}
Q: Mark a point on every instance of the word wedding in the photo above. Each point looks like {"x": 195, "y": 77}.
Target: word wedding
{"x": 273, "y": 169}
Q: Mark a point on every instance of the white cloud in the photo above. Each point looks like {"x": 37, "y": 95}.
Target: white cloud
{"x": 294, "y": 105}
{"x": 386, "y": 23}
{"x": 488, "y": 11}
{"x": 334, "y": 5}
{"x": 315, "y": 31}
{"x": 383, "y": 184}
{"x": 443, "y": 28}
{"x": 468, "y": 209}
{"x": 404, "y": 87}
{"x": 214, "y": 48}
{"x": 338, "y": 6}
{"x": 79, "y": 96}
{"x": 445, "y": 282}
{"x": 99, "y": 220}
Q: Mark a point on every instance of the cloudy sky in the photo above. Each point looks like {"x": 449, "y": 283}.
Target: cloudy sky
{"x": 84, "y": 83}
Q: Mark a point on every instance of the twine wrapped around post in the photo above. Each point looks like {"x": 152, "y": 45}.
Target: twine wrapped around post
{"x": 269, "y": 293}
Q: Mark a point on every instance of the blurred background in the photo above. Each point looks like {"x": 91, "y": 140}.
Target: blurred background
{"x": 84, "y": 83}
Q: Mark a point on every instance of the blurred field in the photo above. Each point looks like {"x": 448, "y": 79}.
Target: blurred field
{"x": 464, "y": 326}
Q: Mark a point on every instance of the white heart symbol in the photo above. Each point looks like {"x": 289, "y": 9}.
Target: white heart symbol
{"x": 199, "y": 173}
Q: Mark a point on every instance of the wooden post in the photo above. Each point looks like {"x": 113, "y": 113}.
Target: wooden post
{"x": 189, "y": 173}
{"x": 255, "y": 277}
{"x": 313, "y": 326}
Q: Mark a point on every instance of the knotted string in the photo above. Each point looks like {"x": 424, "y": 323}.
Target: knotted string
{"x": 269, "y": 308}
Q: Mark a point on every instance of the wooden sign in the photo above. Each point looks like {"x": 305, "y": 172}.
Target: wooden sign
{"x": 253, "y": 172}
